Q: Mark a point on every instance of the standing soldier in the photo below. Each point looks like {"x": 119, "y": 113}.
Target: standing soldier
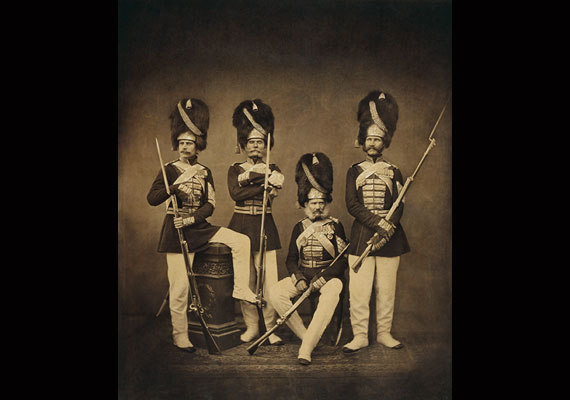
{"x": 193, "y": 185}
{"x": 372, "y": 186}
{"x": 253, "y": 120}
{"x": 315, "y": 241}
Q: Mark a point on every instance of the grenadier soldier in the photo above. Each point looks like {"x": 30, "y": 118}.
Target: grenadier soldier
{"x": 315, "y": 241}
{"x": 372, "y": 185}
{"x": 193, "y": 185}
{"x": 253, "y": 120}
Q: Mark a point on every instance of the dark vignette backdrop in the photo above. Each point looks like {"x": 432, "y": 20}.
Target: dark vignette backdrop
{"x": 312, "y": 63}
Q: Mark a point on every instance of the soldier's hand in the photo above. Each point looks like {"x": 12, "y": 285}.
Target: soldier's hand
{"x": 302, "y": 285}
{"x": 377, "y": 242}
{"x": 276, "y": 179}
{"x": 385, "y": 228}
{"x": 180, "y": 222}
{"x": 316, "y": 284}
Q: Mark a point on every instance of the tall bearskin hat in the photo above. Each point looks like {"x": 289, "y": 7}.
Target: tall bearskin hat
{"x": 379, "y": 108}
{"x": 253, "y": 114}
{"x": 190, "y": 115}
{"x": 314, "y": 171}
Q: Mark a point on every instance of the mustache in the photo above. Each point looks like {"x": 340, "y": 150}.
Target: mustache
{"x": 317, "y": 214}
{"x": 369, "y": 147}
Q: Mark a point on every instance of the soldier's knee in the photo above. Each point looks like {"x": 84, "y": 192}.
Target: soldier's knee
{"x": 275, "y": 293}
{"x": 334, "y": 286}
{"x": 243, "y": 240}
{"x": 272, "y": 296}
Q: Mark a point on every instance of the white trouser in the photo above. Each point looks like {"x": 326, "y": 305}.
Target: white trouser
{"x": 270, "y": 278}
{"x": 179, "y": 285}
{"x": 380, "y": 273}
{"x": 280, "y": 296}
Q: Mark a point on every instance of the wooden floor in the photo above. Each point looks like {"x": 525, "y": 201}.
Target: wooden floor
{"x": 151, "y": 367}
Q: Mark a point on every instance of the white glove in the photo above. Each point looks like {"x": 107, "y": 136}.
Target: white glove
{"x": 385, "y": 228}
{"x": 318, "y": 283}
{"x": 180, "y": 222}
{"x": 276, "y": 179}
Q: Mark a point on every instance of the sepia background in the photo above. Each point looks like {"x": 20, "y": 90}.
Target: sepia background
{"x": 311, "y": 62}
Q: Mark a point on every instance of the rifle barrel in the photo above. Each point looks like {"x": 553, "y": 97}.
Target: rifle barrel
{"x": 440, "y": 115}
{"x": 162, "y": 167}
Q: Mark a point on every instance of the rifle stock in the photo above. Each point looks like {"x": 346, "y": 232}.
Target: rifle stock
{"x": 196, "y": 305}
{"x": 260, "y": 318}
{"x": 197, "y": 308}
{"x": 358, "y": 262}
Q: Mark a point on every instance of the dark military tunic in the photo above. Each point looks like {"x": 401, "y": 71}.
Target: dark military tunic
{"x": 312, "y": 248}
{"x": 371, "y": 189}
{"x": 248, "y": 197}
{"x": 200, "y": 205}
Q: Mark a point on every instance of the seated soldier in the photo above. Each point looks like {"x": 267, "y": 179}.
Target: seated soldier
{"x": 315, "y": 242}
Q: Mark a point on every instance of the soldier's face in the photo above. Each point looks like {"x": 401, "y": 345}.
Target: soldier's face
{"x": 255, "y": 148}
{"x": 316, "y": 207}
{"x": 374, "y": 143}
{"x": 186, "y": 148}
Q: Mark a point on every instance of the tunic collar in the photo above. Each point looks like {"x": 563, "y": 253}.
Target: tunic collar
{"x": 378, "y": 159}
{"x": 250, "y": 161}
{"x": 191, "y": 161}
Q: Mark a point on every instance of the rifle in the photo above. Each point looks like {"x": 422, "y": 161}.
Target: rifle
{"x": 280, "y": 321}
{"x": 163, "y": 303}
{"x": 262, "y": 247}
{"x": 384, "y": 240}
{"x": 196, "y": 305}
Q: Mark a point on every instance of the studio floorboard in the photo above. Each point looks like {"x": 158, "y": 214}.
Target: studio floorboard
{"x": 153, "y": 368}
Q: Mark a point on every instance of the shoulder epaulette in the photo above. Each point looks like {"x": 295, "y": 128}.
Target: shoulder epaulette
{"x": 240, "y": 164}
{"x": 389, "y": 163}
{"x": 334, "y": 219}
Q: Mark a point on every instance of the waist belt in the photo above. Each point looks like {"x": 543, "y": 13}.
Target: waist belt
{"x": 251, "y": 210}
{"x": 183, "y": 210}
{"x": 381, "y": 213}
{"x": 314, "y": 264}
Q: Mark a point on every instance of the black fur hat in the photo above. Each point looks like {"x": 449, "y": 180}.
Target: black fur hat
{"x": 387, "y": 109}
{"x": 260, "y": 112}
{"x": 321, "y": 176}
{"x": 199, "y": 115}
